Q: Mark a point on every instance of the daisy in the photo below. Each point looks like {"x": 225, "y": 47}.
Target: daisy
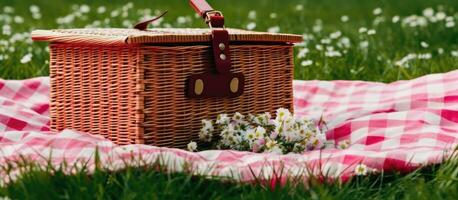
{"x": 361, "y": 170}
{"x": 192, "y": 146}
{"x": 222, "y": 119}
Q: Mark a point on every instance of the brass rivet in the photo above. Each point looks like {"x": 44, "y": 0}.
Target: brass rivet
{"x": 199, "y": 87}
{"x": 222, "y": 56}
{"x": 222, "y": 46}
{"x": 234, "y": 85}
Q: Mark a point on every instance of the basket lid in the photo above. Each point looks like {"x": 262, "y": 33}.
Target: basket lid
{"x": 118, "y": 36}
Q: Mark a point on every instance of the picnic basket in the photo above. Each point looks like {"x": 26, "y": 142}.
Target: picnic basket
{"x": 154, "y": 86}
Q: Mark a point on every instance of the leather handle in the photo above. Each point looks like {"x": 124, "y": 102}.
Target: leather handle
{"x": 201, "y": 7}
{"x": 213, "y": 18}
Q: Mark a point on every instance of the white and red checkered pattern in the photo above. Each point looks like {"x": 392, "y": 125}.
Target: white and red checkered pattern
{"x": 397, "y": 126}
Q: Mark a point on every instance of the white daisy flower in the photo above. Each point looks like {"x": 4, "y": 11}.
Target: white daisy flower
{"x": 377, "y": 11}
{"x": 282, "y": 114}
{"x": 222, "y": 119}
{"x": 26, "y": 58}
{"x": 424, "y": 44}
{"x": 306, "y": 63}
{"x": 362, "y": 30}
{"x": 192, "y": 146}
{"x": 361, "y": 170}
{"x": 428, "y": 12}
{"x": 335, "y": 35}
{"x": 252, "y": 15}
{"x": 259, "y": 132}
{"x": 238, "y": 117}
{"x": 250, "y": 135}
{"x": 344, "y": 144}
{"x": 274, "y": 29}
{"x": 251, "y": 26}
{"x": 395, "y": 19}
{"x": 371, "y": 32}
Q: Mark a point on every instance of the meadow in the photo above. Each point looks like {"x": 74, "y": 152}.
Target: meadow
{"x": 383, "y": 40}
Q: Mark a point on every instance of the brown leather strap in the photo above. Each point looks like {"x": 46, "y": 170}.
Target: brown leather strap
{"x": 220, "y": 84}
{"x": 221, "y": 53}
{"x": 201, "y": 7}
{"x": 223, "y": 83}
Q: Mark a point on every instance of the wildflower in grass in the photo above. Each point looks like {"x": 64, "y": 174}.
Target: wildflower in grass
{"x": 303, "y": 52}
{"x": 26, "y": 58}
{"x": 361, "y": 170}
{"x": 344, "y": 144}
{"x": 450, "y": 24}
{"x": 414, "y": 21}
{"x": 344, "y": 18}
{"x": 192, "y": 146}
{"x": 364, "y": 44}
{"x": 395, "y": 19}
{"x": 371, "y": 32}
{"x": 252, "y": 15}
{"x": 428, "y": 12}
{"x": 85, "y": 8}
{"x": 362, "y": 30}
{"x": 332, "y": 53}
{"x": 378, "y": 20}
{"x": 18, "y": 20}
{"x": 273, "y": 15}
{"x": 251, "y": 26}
{"x": 377, "y": 11}
{"x": 35, "y": 10}
{"x": 101, "y": 9}
{"x": 403, "y": 62}
{"x": 454, "y": 53}
{"x": 344, "y": 42}
{"x": 335, "y": 35}
{"x": 440, "y": 51}
{"x": 317, "y": 28}
{"x": 6, "y": 29}
{"x": 274, "y": 29}
{"x": 424, "y": 44}
{"x": 306, "y": 63}
{"x": 8, "y": 9}
{"x": 319, "y": 47}
{"x": 299, "y": 7}
{"x": 424, "y": 56}
{"x": 325, "y": 41}
{"x": 181, "y": 20}
{"x": 440, "y": 15}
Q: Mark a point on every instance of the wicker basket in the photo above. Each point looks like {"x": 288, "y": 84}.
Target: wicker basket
{"x": 155, "y": 86}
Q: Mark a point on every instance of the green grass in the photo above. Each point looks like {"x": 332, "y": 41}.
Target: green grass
{"x": 391, "y": 43}
{"x": 41, "y": 182}
{"x": 376, "y": 61}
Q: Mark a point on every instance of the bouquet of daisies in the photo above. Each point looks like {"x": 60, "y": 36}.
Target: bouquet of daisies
{"x": 260, "y": 133}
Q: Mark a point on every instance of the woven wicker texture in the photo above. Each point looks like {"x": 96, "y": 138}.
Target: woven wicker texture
{"x": 158, "y": 35}
{"x": 104, "y": 81}
{"x": 136, "y": 94}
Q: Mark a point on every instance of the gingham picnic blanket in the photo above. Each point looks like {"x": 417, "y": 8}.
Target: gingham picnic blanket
{"x": 397, "y": 126}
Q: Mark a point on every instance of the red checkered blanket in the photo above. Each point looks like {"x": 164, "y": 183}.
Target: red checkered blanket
{"x": 397, "y": 126}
